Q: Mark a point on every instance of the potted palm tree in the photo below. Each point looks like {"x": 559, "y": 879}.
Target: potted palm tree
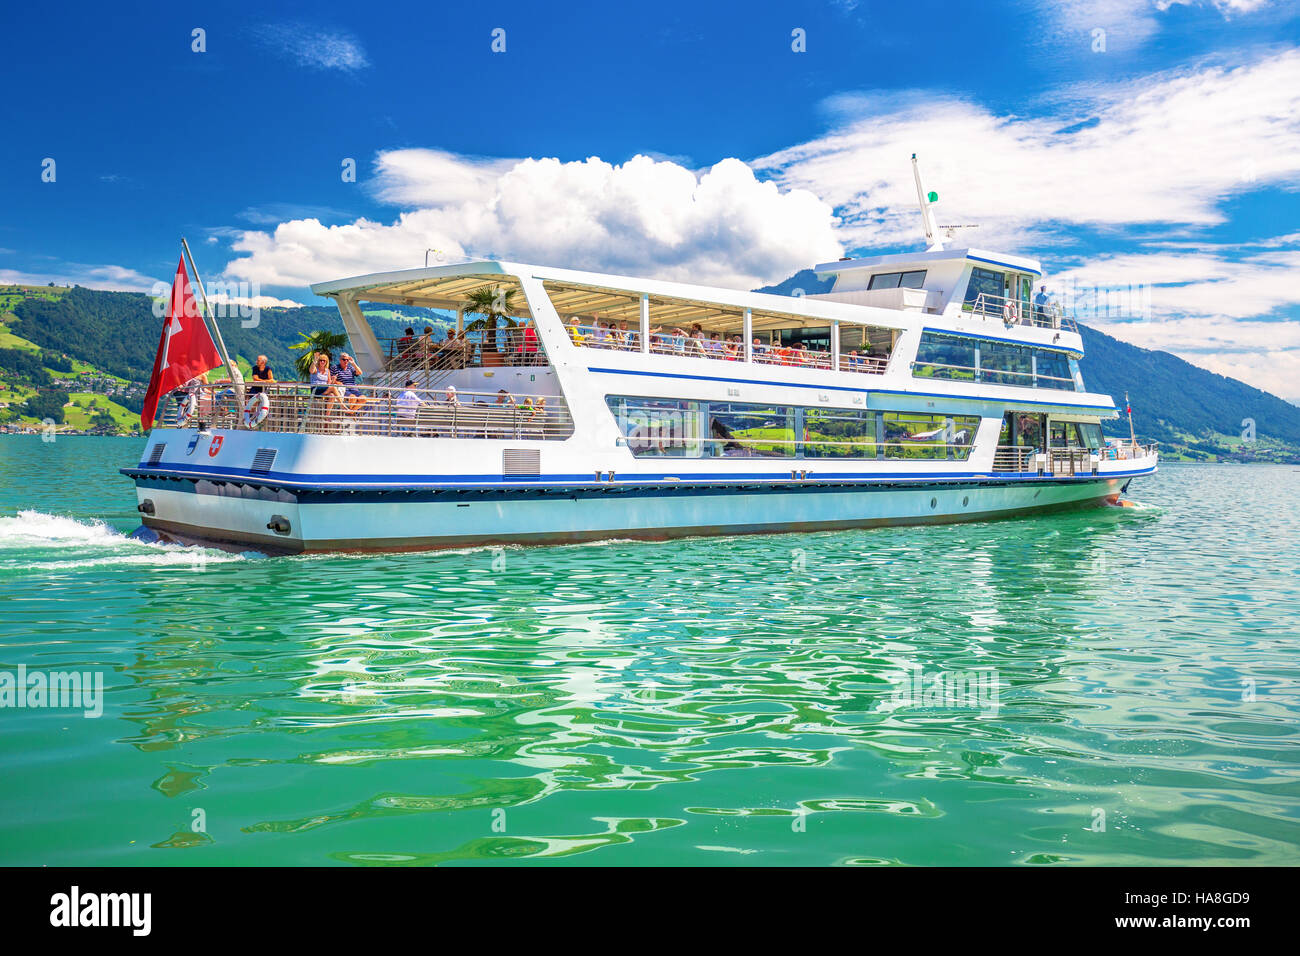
{"x": 495, "y": 305}
{"x": 313, "y": 342}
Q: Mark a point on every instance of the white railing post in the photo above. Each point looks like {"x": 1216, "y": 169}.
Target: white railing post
{"x": 747, "y": 325}
{"x": 835, "y": 346}
{"x": 645, "y": 323}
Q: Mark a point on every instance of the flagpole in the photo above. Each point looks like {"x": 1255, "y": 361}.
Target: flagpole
{"x": 231, "y": 368}
{"x": 1128, "y": 407}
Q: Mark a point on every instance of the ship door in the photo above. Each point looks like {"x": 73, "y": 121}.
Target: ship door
{"x": 1023, "y": 430}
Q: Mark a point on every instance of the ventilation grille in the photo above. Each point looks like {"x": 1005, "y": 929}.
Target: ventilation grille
{"x": 521, "y": 462}
{"x": 263, "y": 460}
{"x": 156, "y": 453}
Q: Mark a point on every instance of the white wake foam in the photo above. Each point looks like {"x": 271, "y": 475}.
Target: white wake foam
{"x": 36, "y": 527}
{"x": 64, "y": 543}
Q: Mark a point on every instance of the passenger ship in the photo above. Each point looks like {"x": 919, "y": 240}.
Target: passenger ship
{"x": 922, "y": 387}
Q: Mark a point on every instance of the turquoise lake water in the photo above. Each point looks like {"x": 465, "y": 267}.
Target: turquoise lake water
{"x": 725, "y": 701}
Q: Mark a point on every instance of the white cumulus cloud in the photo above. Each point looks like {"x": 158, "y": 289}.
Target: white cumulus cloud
{"x": 108, "y": 277}
{"x": 642, "y": 217}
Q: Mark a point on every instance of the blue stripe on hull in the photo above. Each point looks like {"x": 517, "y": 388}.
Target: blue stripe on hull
{"x": 339, "y": 521}
{"x": 564, "y": 483}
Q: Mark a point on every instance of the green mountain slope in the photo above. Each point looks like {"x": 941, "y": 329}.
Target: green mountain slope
{"x": 118, "y": 331}
{"x": 1175, "y": 402}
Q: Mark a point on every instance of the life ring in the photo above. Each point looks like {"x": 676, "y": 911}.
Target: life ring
{"x": 186, "y": 408}
{"x": 256, "y": 409}
{"x": 1009, "y": 312}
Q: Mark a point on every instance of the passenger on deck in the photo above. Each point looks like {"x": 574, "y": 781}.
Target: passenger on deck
{"x": 323, "y": 384}
{"x": 347, "y": 374}
{"x": 695, "y": 341}
{"x": 406, "y": 341}
{"x": 1041, "y": 302}
{"x": 759, "y": 350}
{"x": 426, "y": 340}
{"x": 599, "y": 334}
{"x": 575, "y": 331}
{"x": 449, "y": 396}
{"x": 455, "y": 350}
{"x": 262, "y": 373}
{"x": 529, "y": 346}
{"x": 408, "y": 405}
{"x": 631, "y": 339}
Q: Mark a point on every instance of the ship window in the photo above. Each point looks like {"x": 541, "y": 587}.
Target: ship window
{"x": 898, "y": 280}
{"x": 760, "y": 431}
{"x": 663, "y": 428}
{"x": 1053, "y": 370}
{"x": 1002, "y": 363}
{"x": 946, "y": 356}
{"x": 984, "y": 281}
{"x": 839, "y": 433}
{"x": 658, "y": 428}
{"x": 1076, "y": 435}
{"x": 909, "y": 435}
{"x": 963, "y": 358}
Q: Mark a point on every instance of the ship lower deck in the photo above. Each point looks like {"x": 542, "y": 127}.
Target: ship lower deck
{"x": 276, "y": 519}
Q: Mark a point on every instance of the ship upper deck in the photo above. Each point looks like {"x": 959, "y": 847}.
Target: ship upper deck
{"x": 593, "y": 295}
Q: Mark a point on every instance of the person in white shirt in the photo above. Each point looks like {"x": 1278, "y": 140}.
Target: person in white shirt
{"x": 408, "y": 403}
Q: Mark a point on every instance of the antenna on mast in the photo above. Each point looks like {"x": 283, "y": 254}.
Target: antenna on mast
{"x": 933, "y": 242}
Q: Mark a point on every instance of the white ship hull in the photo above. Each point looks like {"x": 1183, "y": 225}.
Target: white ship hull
{"x": 432, "y": 513}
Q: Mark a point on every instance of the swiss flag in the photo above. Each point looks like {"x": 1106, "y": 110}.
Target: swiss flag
{"x": 185, "y": 349}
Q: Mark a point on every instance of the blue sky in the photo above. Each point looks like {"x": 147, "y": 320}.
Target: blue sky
{"x": 1148, "y": 145}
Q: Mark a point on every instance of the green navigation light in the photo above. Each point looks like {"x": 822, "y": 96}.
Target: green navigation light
{"x": 933, "y": 197}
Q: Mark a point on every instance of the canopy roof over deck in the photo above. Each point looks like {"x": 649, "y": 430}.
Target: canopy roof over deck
{"x": 593, "y": 293}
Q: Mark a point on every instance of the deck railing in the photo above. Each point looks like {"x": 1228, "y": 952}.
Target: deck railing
{"x": 296, "y": 408}
{"x": 1018, "y": 312}
{"x": 423, "y": 358}
{"x": 1064, "y": 461}
{"x": 1012, "y": 458}
{"x": 683, "y": 344}
{"x": 1124, "y": 451}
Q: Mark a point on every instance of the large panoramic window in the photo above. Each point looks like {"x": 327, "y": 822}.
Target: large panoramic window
{"x": 766, "y": 431}
{"x": 839, "y": 433}
{"x": 946, "y": 356}
{"x": 661, "y": 428}
{"x": 1002, "y": 363}
{"x": 909, "y": 435}
{"x": 965, "y": 358}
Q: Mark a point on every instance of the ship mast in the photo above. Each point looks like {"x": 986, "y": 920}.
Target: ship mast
{"x": 933, "y": 242}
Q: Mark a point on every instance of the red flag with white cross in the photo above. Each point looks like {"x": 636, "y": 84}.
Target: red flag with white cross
{"x": 185, "y": 349}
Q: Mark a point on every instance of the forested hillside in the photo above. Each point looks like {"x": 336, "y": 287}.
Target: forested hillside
{"x": 118, "y": 331}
